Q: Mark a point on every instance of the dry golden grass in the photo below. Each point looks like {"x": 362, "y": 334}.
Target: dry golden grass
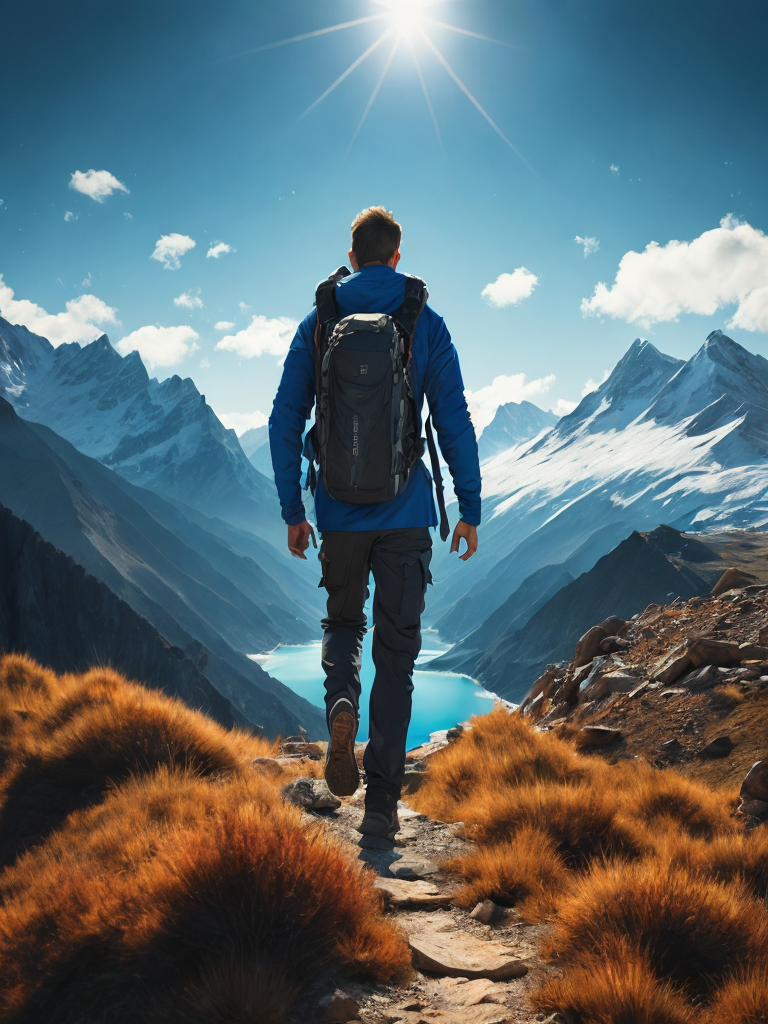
{"x": 153, "y": 875}
{"x": 657, "y": 897}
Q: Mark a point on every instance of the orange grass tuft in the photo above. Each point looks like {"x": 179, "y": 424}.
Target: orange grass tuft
{"x": 620, "y": 990}
{"x": 694, "y": 931}
{"x": 742, "y": 1000}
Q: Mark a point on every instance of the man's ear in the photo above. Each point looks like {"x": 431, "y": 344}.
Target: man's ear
{"x": 353, "y": 261}
{"x": 395, "y": 260}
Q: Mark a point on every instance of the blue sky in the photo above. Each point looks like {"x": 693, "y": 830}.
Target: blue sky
{"x": 634, "y": 123}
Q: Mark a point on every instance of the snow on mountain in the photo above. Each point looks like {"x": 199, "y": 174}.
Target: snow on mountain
{"x": 513, "y": 423}
{"x": 160, "y": 435}
{"x": 660, "y": 441}
{"x": 255, "y": 444}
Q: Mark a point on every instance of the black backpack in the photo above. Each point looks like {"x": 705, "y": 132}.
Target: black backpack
{"x": 365, "y": 437}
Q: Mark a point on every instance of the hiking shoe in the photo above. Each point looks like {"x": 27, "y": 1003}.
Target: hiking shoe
{"x": 341, "y": 772}
{"x": 380, "y": 823}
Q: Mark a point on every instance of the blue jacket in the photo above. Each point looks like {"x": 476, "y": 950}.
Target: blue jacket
{"x": 434, "y": 373}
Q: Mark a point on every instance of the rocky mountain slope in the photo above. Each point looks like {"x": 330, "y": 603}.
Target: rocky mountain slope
{"x": 637, "y": 572}
{"x": 66, "y": 619}
{"x": 159, "y": 435}
{"x": 659, "y": 441}
{"x": 189, "y": 583}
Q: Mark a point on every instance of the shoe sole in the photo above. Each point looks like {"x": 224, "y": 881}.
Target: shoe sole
{"x": 376, "y": 826}
{"x": 341, "y": 772}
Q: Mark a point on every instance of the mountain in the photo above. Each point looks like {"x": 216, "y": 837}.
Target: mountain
{"x": 255, "y": 444}
{"x": 159, "y": 435}
{"x": 53, "y": 610}
{"x": 194, "y": 587}
{"x": 659, "y": 441}
{"x": 513, "y": 423}
{"x": 633, "y": 575}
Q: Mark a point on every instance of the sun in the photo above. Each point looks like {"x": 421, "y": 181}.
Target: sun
{"x": 405, "y": 22}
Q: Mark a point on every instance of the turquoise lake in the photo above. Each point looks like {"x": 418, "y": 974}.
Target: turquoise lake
{"x": 440, "y": 699}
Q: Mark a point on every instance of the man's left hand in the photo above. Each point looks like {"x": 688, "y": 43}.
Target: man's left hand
{"x": 469, "y": 533}
{"x": 298, "y": 539}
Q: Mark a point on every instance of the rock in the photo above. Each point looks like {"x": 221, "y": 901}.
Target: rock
{"x": 639, "y": 690}
{"x": 418, "y": 895}
{"x": 703, "y": 651}
{"x": 672, "y": 691}
{"x": 673, "y": 746}
{"x": 301, "y": 749}
{"x": 545, "y": 684}
{"x": 266, "y": 766}
{"x": 426, "y": 750}
{"x": 671, "y": 666}
{"x": 442, "y": 948}
{"x": 731, "y": 579}
{"x": 614, "y": 645}
{"x": 460, "y": 992}
{"x": 454, "y": 733}
{"x": 593, "y": 737}
{"x": 588, "y": 646}
{"x": 719, "y": 747}
{"x": 413, "y": 868}
{"x": 620, "y": 681}
{"x": 702, "y": 679}
{"x": 614, "y": 625}
{"x": 414, "y": 777}
{"x": 310, "y": 795}
{"x": 482, "y": 1014}
{"x": 762, "y": 636}
{"x": 753, "y": 652}
{"x": 338, "y": 1008}
{"x": 486, "y": 911}
{"x": 755, "y": 784}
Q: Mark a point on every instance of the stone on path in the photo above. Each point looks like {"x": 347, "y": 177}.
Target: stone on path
{"x": 461, "y": 992}
{"x": 482, "y": 1014}
{"x": 485, "y": 912}
{"x": 439, "y": 946}
{"x": 413, "y": 868}
{"x": 338, "y": 1008}
{"x": 417, "y": 894}
{"x": 311, "y": 795}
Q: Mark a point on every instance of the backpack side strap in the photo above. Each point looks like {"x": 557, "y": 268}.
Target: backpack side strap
{"x": 437, "y": 476}
{"x": 415, "y": 300}
{"x": 325, "y": 297}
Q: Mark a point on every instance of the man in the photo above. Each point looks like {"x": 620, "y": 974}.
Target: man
{"x": 389, "y": 538}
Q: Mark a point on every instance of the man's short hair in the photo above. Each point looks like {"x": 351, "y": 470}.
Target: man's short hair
{"x": 375, "y": 236}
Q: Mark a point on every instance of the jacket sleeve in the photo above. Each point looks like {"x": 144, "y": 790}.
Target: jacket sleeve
{"x": 444, "y": 389}
{"x": 291, "y": 409}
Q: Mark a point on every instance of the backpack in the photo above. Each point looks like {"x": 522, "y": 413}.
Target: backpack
{"x": 365, "y": 438}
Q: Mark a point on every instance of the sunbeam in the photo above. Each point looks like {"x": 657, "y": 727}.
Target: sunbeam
{"x": 467, "y": 32}
{"x": 352, "y": 67}
{"x": 312, "y": 35}
{"x": 427, "y": 96}
{"x": 470, "y": 97}
{"x": 374, "y": 94}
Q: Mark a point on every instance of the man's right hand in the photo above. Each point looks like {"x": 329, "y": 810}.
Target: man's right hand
{"x": 298, "y": 539}
{"x": 464, "y": 532}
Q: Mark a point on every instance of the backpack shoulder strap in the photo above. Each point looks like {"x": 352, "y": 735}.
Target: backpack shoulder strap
{"x": 413, "y": 304}
{"x": 325, "y": 297}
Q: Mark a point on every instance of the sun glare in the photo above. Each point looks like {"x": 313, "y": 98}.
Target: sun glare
{"x": 403, "y": 22}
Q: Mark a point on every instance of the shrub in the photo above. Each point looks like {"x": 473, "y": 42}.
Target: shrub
{"x": 742, "y": 999}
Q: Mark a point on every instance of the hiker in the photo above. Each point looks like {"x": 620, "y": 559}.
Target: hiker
{"x": 373, "y": 494}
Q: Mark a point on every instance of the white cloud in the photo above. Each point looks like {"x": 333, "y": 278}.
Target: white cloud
{"x": 87, "y": 280}
{"x": 170, "y": 248}
{"x": 563, "y": 406}
{"x": 219, "y": 249}
{"x": 262, "y": 336}
{"x": 510, "y": 289}
{"x": 244, "y": 306}
{"x": 96, "y": 184}
{"x": 593, "y": 385}
{"x": 69, "y": 216}
{"x": 242, "y": 421}
{"x": 484, "y": 403}
{"x": 77, "y": 323}
{"x": 590, "y": 244}
{"x": 189, "y": 300}
{"x": 128, "y": 216}
{"x": 614, "y": 169}
{"x": 223, "y": 325}
{"x": 160, "y": 346}
{"x": 726, "y": 265}
{"x": 204, "y": 363}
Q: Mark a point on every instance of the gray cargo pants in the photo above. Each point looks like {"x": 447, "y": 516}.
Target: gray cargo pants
{"x": 399, "y": 560}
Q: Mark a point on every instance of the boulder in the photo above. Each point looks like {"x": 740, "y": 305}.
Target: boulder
{"x": 310, "y": 795}
{"x": 755, "y": 784}
{"x": 702, "y": 679}
{"x": 622, "y": 680}
{"x": 594, "y": 737}
{"x": 753, "y": 652}
{"x": 440, "y": 947}
{"x": 266, "y": 766}
{"x": 703, "y": 651}
{"x": 731, "y": 579}
{"x": 719, "y": 747}
{"x": 545, "y": 684}
{"x": 673, "y": 746}
{"x": 614, "y": 645}
{"x": 614, "y": 625}
{"x": 588, "y": 646}
{"x": 671, "y": 666}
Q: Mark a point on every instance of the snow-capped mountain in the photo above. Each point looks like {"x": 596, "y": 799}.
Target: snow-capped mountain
{"x": 660, "y": 441}
{"x": 160, "y": 435}
{"x": 255, "y": 444}
{"x": 513, "y": 423}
